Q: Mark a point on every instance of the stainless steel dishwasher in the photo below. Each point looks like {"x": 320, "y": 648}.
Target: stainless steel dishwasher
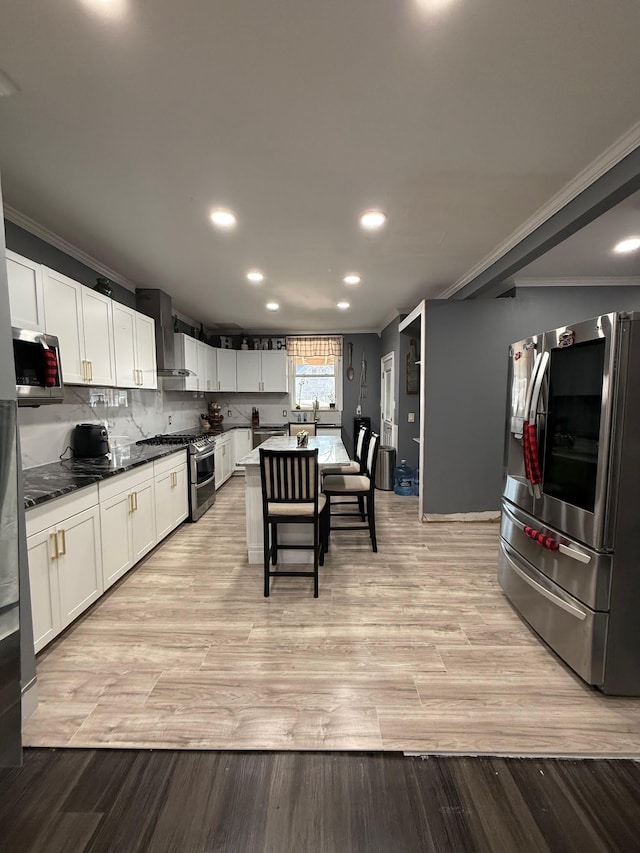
{"x": 261, "y": 434}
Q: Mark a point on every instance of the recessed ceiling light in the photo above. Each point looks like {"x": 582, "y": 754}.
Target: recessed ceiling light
{"x": 109, "y": 8}
{"x": 223, "y": 219}
{"x": 352, "y": 278}
{"x": 342, "y": 306}
{"x": 272, "y": 306}
{"x": 372, "y": 220}
{"x": 255, "y": 276}
{"x": 630, "y": 244}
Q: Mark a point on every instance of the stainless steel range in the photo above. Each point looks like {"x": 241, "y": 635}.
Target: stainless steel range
{"x": 201, "y": 467}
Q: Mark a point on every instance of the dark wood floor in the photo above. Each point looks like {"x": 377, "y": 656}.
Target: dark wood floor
{"x": 77, "y": 800}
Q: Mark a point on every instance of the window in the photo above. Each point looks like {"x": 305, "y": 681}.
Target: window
{"x": 316, "y": 377}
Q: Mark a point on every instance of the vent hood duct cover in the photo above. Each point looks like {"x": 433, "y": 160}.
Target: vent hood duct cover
{"x": 157, "y": 304}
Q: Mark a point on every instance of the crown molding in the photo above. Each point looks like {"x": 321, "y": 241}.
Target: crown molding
{"x": 576, "y": 281}
{"x": 58, "y": 242}
{"x": 620, "y": 149}
{"x": 391, "y": 316}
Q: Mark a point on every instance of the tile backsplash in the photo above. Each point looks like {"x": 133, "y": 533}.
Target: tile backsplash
{"x": 45, "y": 432}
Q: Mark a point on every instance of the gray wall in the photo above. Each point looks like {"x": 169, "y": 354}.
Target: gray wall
{"x": 367, "y": 346}
{"x": 465, "y": 375}
{"x": 30, "y": 246}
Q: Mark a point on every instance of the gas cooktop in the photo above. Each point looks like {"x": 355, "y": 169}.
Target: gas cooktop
{"x": 196, "y": 440}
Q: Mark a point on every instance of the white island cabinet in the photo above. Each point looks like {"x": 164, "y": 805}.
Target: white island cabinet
{"x": 331, "y": 451}
{"x": 65, "y": 563}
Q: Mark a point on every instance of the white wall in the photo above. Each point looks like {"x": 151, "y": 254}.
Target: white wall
{"x": 45, "y": 432}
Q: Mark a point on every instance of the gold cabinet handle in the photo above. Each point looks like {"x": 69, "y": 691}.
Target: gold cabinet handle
{"x": 140, "y": 381}
{"x": 84, "y": 371}
{"x": 62, "y": 549}
{"x": 135, "y": 500}
{"x": 90, "y": 371}
{"x": 53, "y": 539}
{"x": 130, "y": 499}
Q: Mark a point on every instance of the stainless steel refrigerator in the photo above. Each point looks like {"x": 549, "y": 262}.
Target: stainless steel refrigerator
{"x": 11, "y": 534}
{"x": 570, "y": 530}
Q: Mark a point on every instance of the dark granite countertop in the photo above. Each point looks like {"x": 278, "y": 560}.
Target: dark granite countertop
{"x": 46, "y": 482}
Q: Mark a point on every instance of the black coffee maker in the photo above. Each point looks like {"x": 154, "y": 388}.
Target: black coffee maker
{"x": 89, "y": 441}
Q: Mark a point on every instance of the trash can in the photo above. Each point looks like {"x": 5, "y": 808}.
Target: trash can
{"x": 385, "y": 468}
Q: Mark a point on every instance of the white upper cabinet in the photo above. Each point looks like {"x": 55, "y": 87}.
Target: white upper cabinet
{"x": 25, "y": 293}
{"x": 274, "y": 370}
{"x": 202, "y": 379}
{"x": 63, "y": 318}
{"x": 146, "y": 362}
{"x": 212, "y": 369}
{"x": 248, "y": 370}
{"x": 262, "y": 370}
{"x": 82, "y": 320}
{"x": 226, "y": 378}
{"x": 124, "y": 344}
{"x": 186, "y": 356}
{"x": 134, "y": 348}
{"x": 98, "y": 337}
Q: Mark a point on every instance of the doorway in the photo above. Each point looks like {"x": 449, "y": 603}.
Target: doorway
{"x": 387, "y": 401}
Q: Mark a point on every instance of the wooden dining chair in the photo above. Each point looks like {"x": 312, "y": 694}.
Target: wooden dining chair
{"x": 290, "y": 495}
{"x": 354, "y": 485}
{"x": 295, "y": 428}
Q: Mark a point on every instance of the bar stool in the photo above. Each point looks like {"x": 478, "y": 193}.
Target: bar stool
{"x": 360, "y": 486}
{"x": 290, "y": 495}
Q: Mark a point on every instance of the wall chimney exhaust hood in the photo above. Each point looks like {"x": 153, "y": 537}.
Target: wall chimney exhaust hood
{"x": 157, "y": 304}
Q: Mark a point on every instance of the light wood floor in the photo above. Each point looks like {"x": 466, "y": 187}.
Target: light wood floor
{"x": 414, "y": 648}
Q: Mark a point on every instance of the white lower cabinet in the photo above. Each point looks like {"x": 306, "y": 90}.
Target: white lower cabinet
{"x": 225, "y": 463}
{"x": 172, "y": 499}
{"x": 80, "y": 544}
{"x": 127, "y": 519}
{"x": 242, "y": 445}
{"x": 65, "y": 562}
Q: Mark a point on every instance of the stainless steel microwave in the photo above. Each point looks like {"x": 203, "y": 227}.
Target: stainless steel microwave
{"x": 38, "y": 368}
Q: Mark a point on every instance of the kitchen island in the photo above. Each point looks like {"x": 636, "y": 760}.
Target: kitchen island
{"x": 331, "y": 451}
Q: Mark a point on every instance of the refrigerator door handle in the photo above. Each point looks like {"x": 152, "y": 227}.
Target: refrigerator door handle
{"x": 555, "y": 599}
{"x": 573, "y": 553}
{"x": 537, "y": 387}
{"x": 532, "y": 414}
{"x": 534, "y": 373}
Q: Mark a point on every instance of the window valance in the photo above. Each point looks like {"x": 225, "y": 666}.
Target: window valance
{"x": 311, "y": 345}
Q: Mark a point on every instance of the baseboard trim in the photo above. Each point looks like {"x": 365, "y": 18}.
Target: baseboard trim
{"x": 490, "y": 515}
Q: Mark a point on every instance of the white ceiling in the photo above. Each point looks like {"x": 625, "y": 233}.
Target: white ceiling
{"x": 588, "y": 254}
{"x": 459, "y": 118}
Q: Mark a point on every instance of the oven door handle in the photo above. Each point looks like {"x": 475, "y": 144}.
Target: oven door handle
{"x": 205, "y": 482}
{"x": 199, "y": 457}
